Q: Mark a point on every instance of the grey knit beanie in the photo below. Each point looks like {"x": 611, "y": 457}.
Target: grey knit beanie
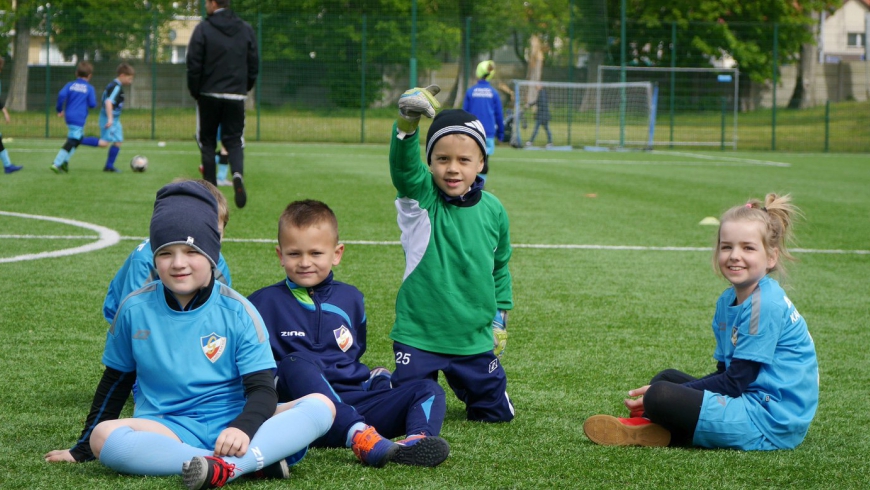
{"x": 186, "y": 213}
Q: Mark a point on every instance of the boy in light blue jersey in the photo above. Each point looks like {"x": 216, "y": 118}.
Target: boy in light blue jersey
{"x": 8, "y": 167}
{"x": 111, "y": 131}
{"x": 73, "y": 102}
{"x": 208, "y": 408}
{"x": 765, "y": 390}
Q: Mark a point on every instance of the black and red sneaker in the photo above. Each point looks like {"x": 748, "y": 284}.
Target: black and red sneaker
{"x": 206, "y": 472}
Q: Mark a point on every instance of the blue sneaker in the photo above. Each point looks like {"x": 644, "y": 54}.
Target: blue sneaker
{"x": 372, "y": 449}
{"x": 420, "y": 450}
{"x": 12, "y": 168}
{"x": 112, "y": 169}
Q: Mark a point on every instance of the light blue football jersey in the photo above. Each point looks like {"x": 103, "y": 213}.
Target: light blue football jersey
{"x": 188, "y": 363}
{"x": 767, "y": 328}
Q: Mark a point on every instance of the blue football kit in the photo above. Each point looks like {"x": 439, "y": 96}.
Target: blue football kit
{"x": 214, "y": 345}
{"x": 776, "y": 409}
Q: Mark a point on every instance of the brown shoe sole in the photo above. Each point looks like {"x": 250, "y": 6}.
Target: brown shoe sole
{"x": 609, "y": 431}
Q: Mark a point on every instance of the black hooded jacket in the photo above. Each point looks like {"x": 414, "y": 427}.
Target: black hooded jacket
{"x": 222, "y": 56}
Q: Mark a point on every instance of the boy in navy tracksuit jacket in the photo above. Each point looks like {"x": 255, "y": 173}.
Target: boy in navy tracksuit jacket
{"x": 317, "y": 329}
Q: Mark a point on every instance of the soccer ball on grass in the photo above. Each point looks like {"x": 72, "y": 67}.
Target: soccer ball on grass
{"x": 139, "y": 163}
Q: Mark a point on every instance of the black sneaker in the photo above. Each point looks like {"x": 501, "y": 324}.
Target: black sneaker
{"x": 239, "y": 190}
{"x": 278, "y": 470}
{"x": 206, "y": 472}
{"x": 111, "y": 169}
{"x": 420, "y": 450}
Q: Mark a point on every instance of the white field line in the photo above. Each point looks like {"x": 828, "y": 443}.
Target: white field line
{"x": 543, "y": 246}
{"x": 105, "y": 238}
{"x": 689, "y": 159}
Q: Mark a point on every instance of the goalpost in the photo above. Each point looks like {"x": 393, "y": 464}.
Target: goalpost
{"x": 582, "y": 114}
{"x": 697, "y": 103}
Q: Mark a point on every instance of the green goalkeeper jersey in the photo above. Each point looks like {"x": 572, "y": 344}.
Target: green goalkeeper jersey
{"x": 456, "y": 260}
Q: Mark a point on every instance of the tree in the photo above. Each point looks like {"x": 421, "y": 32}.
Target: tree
{"x": 709, "y": 29}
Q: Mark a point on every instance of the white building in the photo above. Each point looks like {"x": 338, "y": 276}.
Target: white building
{"x": 843, "y": 35}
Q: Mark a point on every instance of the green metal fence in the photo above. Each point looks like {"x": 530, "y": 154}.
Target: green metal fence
{"x": 333, "y": 75}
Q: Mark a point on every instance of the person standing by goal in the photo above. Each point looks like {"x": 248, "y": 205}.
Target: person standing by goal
{"x": 222, "y": 67}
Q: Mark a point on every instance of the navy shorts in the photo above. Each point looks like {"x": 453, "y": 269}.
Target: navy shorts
{"x": 478, "y": 380}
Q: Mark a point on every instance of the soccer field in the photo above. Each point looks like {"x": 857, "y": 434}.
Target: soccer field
{"x": 612, "y": 283}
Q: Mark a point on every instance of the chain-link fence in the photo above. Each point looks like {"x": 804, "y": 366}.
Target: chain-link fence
{"x": 334, "y": 74}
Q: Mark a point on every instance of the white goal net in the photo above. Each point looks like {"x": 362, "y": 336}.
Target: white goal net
{"x": 580, "y": 114}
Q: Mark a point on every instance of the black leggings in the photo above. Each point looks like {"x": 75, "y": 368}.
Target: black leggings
{"x": 674, "y": 406}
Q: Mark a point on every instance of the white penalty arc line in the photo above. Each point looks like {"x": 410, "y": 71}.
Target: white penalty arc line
{"x": 540, "y": 246}
{"x": 106, "y": 238}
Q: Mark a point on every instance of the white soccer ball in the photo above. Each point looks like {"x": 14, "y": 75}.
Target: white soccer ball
{"x": 139, "y": 163}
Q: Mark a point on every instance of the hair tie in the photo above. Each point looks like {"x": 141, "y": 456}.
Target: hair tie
{"x": 749, "y": 205}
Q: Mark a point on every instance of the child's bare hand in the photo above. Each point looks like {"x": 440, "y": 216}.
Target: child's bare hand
{"x": 231, "y": 442}
{"x": 634, "y": 404}
{"x": 60, "y": 114}
{"x": 59, "y": 455}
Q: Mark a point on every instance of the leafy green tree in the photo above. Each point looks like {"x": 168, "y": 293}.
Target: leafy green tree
{"x": 709, "y": 29}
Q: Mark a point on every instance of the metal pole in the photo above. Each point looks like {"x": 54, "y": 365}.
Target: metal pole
{"x": 673, "y": 77}
{"x": 827, "y": 124}
{"x": 153, "y": 44}
{"x": 362, "y": 92}
{"x": 775, "y": 81}
{"x": 47, "y": 67}
{"x": 467, "y": 50}
{"x": 259, "y": 82}
{"x": 622, "y": 57}
{"x": 413, "y": 68}
{"x": 722, "y": 138}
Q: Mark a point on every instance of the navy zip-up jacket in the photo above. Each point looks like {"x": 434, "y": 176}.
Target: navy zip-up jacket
{"x": 325, "y": 324}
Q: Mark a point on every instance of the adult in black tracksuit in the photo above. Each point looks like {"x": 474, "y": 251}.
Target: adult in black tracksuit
{"x": 222, "y": 64}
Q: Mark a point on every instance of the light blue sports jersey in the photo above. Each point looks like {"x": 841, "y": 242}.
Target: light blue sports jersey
{"x": 137, "y": 271}
{"x": 188, "y": 363}
{"x": 766, "y": 328}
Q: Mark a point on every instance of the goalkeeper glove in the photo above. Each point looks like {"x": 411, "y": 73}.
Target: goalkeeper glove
{"x": 499, "y": 333}
{"x": 414, "y": 103}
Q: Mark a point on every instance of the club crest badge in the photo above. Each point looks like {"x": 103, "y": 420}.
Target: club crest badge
{"x": 213, "y": 346}
{"x": 734, "y": 336}
{"x": 343, "y": 338}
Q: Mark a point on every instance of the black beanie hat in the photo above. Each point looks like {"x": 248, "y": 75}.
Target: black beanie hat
{"x": 455, "y": 121}
{"x": 186, "y": 213}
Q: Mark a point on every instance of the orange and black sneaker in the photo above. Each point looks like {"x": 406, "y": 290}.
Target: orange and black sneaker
{"x": 372, "y": 449}
{"x": 636, "y": 431}
{"x": 206, "y": 472}
{"x": 421, "y": 450}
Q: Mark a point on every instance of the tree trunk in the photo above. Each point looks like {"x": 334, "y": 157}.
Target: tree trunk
{"x": 803, "y": 96}
{"x": 537, "y": 52}
{"x": 17, "y": 98}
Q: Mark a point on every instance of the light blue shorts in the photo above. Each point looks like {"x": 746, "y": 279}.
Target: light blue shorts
{"x": 490, "y": 146}
{"x": 197, "y": 432}
{"x": 725, "y": 423}
{"x": 115, "y": 132}
{"x": 75, "y": 132}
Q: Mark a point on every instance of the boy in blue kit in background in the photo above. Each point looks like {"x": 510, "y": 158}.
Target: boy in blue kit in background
{"x": 111, "y": 131}
{"x": 207, "y": 408}
{"x": 483, "y": 101}
{"x": 765, "y": 390}
{"x": 8, "y": 167}
{"x": 451, "y": 309}
{"x": 73, "y": 102}
{"x": 317, "y": 328}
